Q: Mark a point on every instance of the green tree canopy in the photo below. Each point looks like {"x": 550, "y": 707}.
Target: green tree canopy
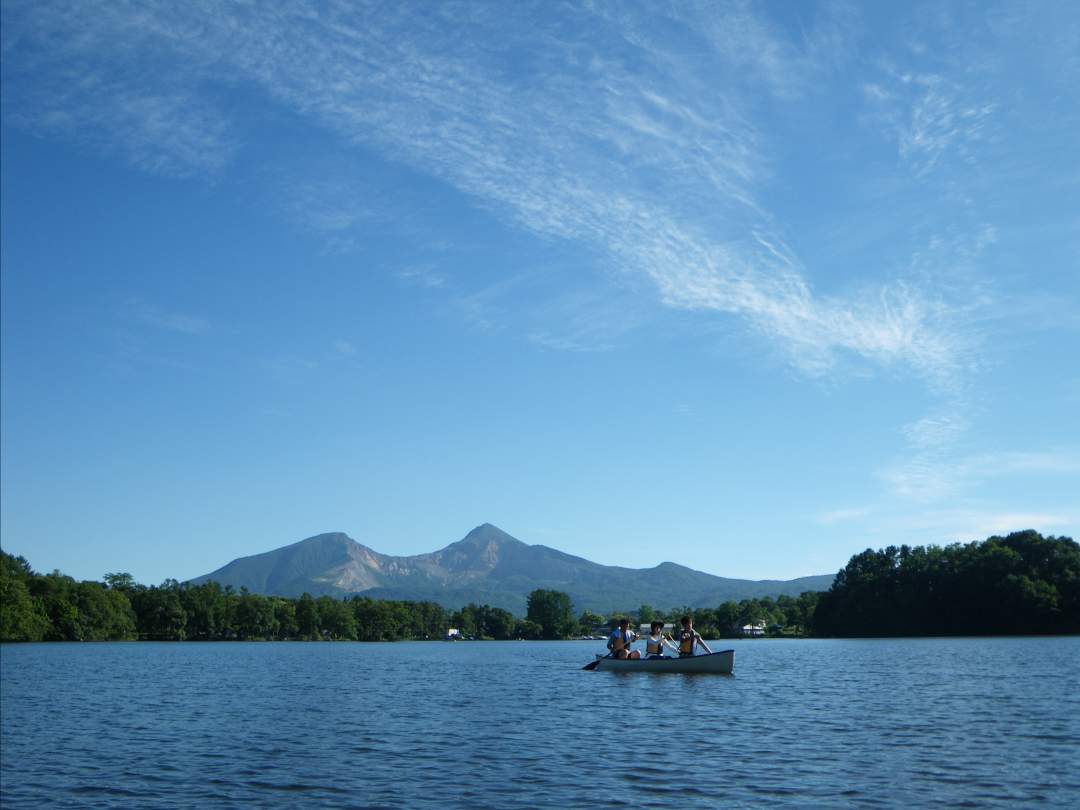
{"x": 553, "y": 611}
{"x": 588, "y": 621}
{"x": 1023, "y": 583}
{"x": 22, "y": 617}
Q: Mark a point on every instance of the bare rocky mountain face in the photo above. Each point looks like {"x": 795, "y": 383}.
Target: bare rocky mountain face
{"x": 487, "y": 566}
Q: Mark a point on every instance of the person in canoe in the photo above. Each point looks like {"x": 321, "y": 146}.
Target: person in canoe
{"x": 621, "y": 639}
{"x": 689, "y": 638}
{"x": 654, "y": 645}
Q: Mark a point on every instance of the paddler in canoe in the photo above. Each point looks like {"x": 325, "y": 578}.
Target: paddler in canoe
{"x": 658, "y": 639}
{"x": 689, "y": 638}
{"x": 620, "y": 640}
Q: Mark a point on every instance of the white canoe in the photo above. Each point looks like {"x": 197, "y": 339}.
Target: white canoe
{"x": 722, "y": 662}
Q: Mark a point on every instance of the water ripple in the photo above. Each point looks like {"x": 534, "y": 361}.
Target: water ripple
{"x": 928, "y": 723}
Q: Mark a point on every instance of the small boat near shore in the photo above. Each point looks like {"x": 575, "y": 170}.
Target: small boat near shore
{"x": 720, "y": 662}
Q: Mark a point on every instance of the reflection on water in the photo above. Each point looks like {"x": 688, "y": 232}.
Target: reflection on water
{"x": 915, "y": 722}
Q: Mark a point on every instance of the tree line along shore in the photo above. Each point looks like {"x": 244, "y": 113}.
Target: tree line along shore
{"x": 1024, "y": 583}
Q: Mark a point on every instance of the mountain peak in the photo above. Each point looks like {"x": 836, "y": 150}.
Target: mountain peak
{"x": 327, "y": 539}
{"x": 486, "y": 534}
{"x": 487, "y": 566}
{"x": 479, "y": 551}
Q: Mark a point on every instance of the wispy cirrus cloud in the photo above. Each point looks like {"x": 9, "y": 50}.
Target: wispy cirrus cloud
{"x": 941, "y": 122}
{"x": 153, "y": 315}
{"x": 68, "y": 71}
{"x": 618, "y": 141}
{"x": 586, "y": 320}
{"x": 973, "y": 523}
{"x": 1005, "y": 522}
{"x": 931, "y": 474}
{"x": 936, "y": 429}
{"x": 852, "y": 513}
{"x": 422, "y": 275}
{"x": 930, "y": 118}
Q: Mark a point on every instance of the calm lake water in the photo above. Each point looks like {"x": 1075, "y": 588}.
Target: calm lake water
{"x": 913, "y": 722}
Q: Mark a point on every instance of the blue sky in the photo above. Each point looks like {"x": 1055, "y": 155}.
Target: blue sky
{"x": 750, "y": 287}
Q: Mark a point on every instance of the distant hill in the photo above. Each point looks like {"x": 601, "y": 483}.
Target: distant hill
{"x": 487, "y": 566}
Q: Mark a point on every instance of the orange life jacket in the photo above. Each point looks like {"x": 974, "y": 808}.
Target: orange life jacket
{"x": 686, "y": 642}
{"x": 622, "y": 642}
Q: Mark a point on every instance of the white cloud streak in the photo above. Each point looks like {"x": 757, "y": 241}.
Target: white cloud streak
{"x": 159, "y": 318}
{"x": 932, "y": 473}
{"x": 422, "y": 275}
{"x": 620, "y": 140}
{"x": 68, "y": 69}
{"x": 853, "y": 513}
{"x": 977, "y": 523}
{"x": 929, "y": 117}
{"x": 598, "y": 127}
{"x": 588, "y": 321}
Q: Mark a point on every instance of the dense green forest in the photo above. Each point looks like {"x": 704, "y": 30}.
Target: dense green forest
{"x": 55, "y": 607}
{"x": 1021, "y": 584}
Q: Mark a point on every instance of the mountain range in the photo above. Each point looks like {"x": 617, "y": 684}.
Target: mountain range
{"x": 487, "y": 566}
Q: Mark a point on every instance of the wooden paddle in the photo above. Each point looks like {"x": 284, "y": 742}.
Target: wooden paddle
{"x": 592, "y": 664}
